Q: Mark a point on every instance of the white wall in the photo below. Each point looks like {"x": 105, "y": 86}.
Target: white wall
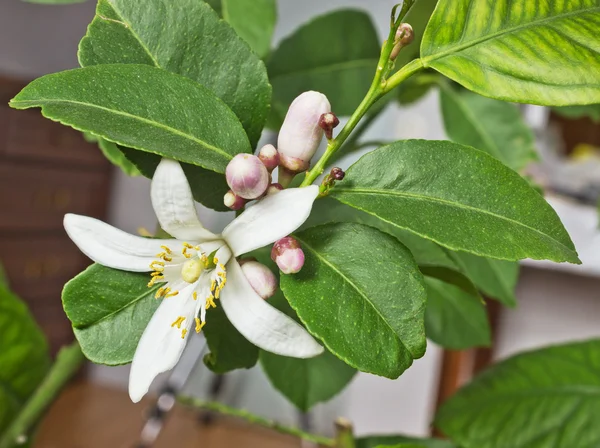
{"x": 553, "y": 307}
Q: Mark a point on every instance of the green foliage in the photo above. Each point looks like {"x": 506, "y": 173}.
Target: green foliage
{"x": 591, "y": 111}
{"x": 253, "y": 21}
{"x": 109, "y": 310}
{"x": 141, "y": 107}
{"x": 24, "y": 356}
{"x": 473, "y": 203}
{"x": 369, "y": 285}
{"x": 335, "y": 54}
{"x": 229, "y": 350}
{"x": 454, "y": 318}
{"x": 544, "y": 398}
{"x": 490, "y": 125}
{"x": 378, "y": 441}
{"x": 184, "y": 37}
{"x": 115, "y": 156}
{"x": 521, "y": 51}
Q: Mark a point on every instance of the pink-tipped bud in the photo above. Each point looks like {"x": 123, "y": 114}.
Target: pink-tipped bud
{"x": 233, "y": 201}
{"x": 300, "y": 134}
{"x": 337, "y": 173}
{"x": 328, "y": 122}
{"x": 404, "y": 36}
{"x": 260, "y": 277}
{"x": 274, "y": 188}
{"x": 288, "y": 255}
{"x": 269, "y": 156}
{"x": 247, "y": 176}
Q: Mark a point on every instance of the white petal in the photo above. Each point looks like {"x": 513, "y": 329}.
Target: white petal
{"x": 260, "y": 323}
{"x": 174, "y": 204}
{"x": 270, "y": 219}
{"x": 110, "y": 246}
{"x": 161, "y": 345}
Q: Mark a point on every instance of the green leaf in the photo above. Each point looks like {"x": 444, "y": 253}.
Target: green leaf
{"x": 455, "y": 319}
{"x": 109, "y": 310}
{"x": 544, "y": 398}
{"x": 377, "y": 441}
{"x": 490, "y": 125}
{"x": 115, "y": 156}
{"x": 253, "y": 21}
{"x": 458, "y": 197}
{"x": 141, "y": 107}
{"x": 305, "y": 382}
{"x": 335, "y": 54}
{"x": 517, "y": 50}
{"x": 24, "y": 356}
{"x": 369, "y": 285}
{"x": 229, "y": 350}
{"x": 591, "y": 111}
{"x": 207, "y": 187}
{"x": 497, "y": 279}
{"x": 184, "y": 37}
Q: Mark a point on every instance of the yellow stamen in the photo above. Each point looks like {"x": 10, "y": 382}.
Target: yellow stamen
{"x": 210, "y": 301}
{"x": 166, "y": 249}
{"x": 199, "y": 325}
{"x": 171, "y": 294}
{"x": 155, "y": 278}
{"x": 215, "y": 260}
{"x": 178, "y": 322}
{"x": 195, "y": 295}
{"x": 183, "y": 333}
{"x": 158, "y": 266}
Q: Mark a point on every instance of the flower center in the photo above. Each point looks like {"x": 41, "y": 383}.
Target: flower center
{"x": 191, "y": 270}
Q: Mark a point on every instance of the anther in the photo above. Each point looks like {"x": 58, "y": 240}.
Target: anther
{"x": 178, "y": 322}
{"x": 183, "y": 333}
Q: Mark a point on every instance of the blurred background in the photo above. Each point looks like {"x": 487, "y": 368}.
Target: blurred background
{"x": 47, "y": 169}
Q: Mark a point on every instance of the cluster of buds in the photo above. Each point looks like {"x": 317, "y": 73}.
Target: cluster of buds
{"x": 288, "y": 255}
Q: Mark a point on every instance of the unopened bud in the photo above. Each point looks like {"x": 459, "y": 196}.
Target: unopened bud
{"x": 300, "y": 134}
{"x": 337, "y": 173}
{"x": 288, "y": 255}
{"x": 233, "y": 201}
{"x": 269, "y": 156}
{"x": 327, "y": 122}
{"x": 247, "y": 176}
{"x": 274, "y": 188}
{"x": 260, "y": 277}
{"x": 404, "y": 36}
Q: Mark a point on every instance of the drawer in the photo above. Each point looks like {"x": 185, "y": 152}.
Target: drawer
{"x": 36, "y": 198}
{"x": 38, "y": 267}
{"x": 30, "y": 136}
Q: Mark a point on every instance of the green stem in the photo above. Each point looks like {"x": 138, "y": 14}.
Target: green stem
{"x": 67, "y": 363}
{"x": 344, "y": 437}
{"x": 254, "y": 419}
{"x": 401, "y": 75}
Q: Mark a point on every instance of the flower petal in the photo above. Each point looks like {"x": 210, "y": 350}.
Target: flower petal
{"x": 161, "y": 345}
{"x": 174, "y": 204}
{"x": 260, "y": 323}
{"x": 270, "y": 219}
{"x": 110, "y": 246}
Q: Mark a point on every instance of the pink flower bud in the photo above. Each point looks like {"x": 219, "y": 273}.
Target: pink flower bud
{"x": 260, "y": 277}
{"x": 247, "y": 176}
{"x": 233, "y": 201}
{"x": 288, "y": 255}
{"x": 404, "y": 36}
{"x": 269, "y": 156}
{"x": 328, "y": 122}
{"x": 300, "y": 134}
{"x": 274, "y": 188}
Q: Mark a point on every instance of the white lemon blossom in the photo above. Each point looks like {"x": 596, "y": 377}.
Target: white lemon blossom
{"x": 196, "y": 268}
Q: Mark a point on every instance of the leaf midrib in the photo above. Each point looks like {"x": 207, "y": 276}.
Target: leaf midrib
{"x": 457, "y": 48}
{"x": 344, "y": 65}
{"x": 443, "y": 201}
{"x": 38, "y": 103}
{"x": 358, "y": 290}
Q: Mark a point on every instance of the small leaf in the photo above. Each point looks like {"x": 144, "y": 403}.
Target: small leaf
{"x": 490, "y": 125}
{"x": 207, "y": 187}
{"x": 455, "y": 319}
{"x": 518, "y": 50}
{"x": 497, "y": 279}
{"x": 459, "y": 197}
{"x": 335, "y": 54}
{"x": 253, "y": 21}
{"x": 114, "y": 155}
{"x": 141, "y": 107}
{"x": 229, "y": 350}
{"x": 184, "y": 37}
{"x": 377, "y": 441}
{"x": 109, "y": 310}
{"x": 369, "y": 285}
{"x": 24, "y": 356}
{"x": 543, "y": 398}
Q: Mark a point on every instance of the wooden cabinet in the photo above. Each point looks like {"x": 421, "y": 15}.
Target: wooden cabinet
{"x": 46, "y": 170}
